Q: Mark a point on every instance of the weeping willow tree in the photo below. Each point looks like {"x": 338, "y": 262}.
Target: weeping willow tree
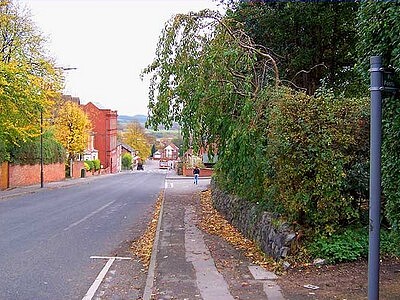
{"x": 206, "y": 70}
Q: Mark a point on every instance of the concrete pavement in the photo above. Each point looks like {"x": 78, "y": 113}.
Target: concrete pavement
{"x": 188, "y": 263}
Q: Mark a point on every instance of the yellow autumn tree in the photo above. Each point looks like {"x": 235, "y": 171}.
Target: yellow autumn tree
{"x": 29, "y": 82}
{"x": 135, "y": 136}
{"x": 72, "y": 128}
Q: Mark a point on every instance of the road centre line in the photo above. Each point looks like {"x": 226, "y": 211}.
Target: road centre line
{"x": 89, "y": 215}
{"x": 95, "y": 285}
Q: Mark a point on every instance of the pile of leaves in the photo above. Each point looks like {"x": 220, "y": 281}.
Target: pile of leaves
{"x": 143, "y": 246}
{"x": 214, "y": 223}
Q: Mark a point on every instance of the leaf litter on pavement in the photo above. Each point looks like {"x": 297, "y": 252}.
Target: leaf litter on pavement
{"x": 214, "y": 223}
{"x": 143, "y": 246}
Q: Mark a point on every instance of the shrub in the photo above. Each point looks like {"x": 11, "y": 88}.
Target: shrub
{"x": 126, "y": 161}
{"x": 96, "y": 164}
{"x": 348, "y": 246}
{"x": 352, "y": 244}
{"x": 90, "y": 165}
{"x": 86, "y": 165}
{"x": 313, "y": 146}
{"x": 390, "y": 241}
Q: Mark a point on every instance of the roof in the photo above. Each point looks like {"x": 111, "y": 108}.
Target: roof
{"x": 173, "y": 146}
{"x": 127, "y": 147}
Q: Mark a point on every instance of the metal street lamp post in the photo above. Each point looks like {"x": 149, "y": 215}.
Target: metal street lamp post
{"x": 41, "y": 150}
{"x": 41, "y": 134}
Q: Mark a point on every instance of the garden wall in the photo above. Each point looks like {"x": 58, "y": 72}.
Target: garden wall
{"x": 204, "y": 172}
{"x": 274, "y": 237}
{"x": 24, "y": 175}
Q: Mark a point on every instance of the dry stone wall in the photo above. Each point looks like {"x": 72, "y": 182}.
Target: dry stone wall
{"x": 274, "y": 237}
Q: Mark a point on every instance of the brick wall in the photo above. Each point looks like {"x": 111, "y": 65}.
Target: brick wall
{"x": 3, "y": 175}
{"x": 77, "y": 166}
{"x": 205, "y": 172}
{"x": 24, "y": 175}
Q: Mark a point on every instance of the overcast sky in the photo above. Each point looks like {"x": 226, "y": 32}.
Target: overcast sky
{"x": 109, "y": 42}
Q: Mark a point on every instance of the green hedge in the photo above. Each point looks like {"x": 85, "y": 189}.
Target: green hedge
{"x": 29, "y": 152}
{"x": 306, "y": 158}
{"x": 391, "y": 161}
{"x": 314, "y": 144}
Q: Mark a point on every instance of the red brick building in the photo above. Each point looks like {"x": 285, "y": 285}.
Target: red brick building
{"x": 104, "y": 122}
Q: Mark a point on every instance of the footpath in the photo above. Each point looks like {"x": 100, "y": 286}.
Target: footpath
{"x": 13, "y": 192}
{"x": 188, "y": 263}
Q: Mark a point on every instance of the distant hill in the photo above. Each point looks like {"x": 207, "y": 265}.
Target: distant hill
{"x": 128, "y": 119}
{"x": 124, "y": 120}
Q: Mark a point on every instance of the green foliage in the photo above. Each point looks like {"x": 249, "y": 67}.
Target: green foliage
{"x": 28, "y": 79}
{"x": 97, "y": 164}
{"x": 310, "y": 41}
{"x": 29, "y": 152}
{"x": 4, "y": 154}
{"x": 379, "y": 34}
{"x": 313, "y": 145}
{"x": 391, "y": 160}
{"x": 90, "y": 165}
{"x": 302, "y": 156}
{"x": 352, "y": 244}
{"x": 206, "y": 68}
{"x": 127, "y": 161}
{"x": 390, "y": 241}
{"x": 153, "y": 150}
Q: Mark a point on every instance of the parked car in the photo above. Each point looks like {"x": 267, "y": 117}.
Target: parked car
{"x": 163, "y": 164}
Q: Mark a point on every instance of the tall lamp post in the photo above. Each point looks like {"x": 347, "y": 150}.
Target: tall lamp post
{"x": 41, "y": 149}
{"x": 41, "y": 134}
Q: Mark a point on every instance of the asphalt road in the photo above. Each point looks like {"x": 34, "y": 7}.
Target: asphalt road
{"x": 47, "y": 237}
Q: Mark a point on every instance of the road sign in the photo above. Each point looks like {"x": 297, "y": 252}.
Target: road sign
{"x": 390, "y": 82}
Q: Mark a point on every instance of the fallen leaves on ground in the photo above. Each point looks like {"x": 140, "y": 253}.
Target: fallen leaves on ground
{"x": 143, "y": 247}
{"x": 214, "y": 223}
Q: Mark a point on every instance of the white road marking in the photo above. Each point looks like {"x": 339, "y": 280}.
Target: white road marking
{"x": 93, "y": 288}
{"x": 168, "y": 185}
{"x": 109, "y": 257}
{"x": 89, "y": 215}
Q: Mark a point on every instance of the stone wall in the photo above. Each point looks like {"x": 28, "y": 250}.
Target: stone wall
{"x": 273, "y": 236}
